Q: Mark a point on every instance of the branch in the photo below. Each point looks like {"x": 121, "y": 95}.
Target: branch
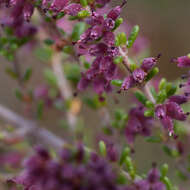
{"x": 56, "y": 64}
{"x": 126, "y": 63}
{"x": 30, "y": 130}
{"x": 64, "y": 86}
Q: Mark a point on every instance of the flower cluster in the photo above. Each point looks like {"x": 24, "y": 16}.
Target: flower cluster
{"x": 170, "y": 110}
{"x": 138, "y": 124}
{"x": 71, "y": 171}
{"x": 15, "y": 16}
{"x": 140, "y": 74}
{"x": 100, "y": 35}
{"x": 152, "y": 182}
{"x": 183, "y": 61}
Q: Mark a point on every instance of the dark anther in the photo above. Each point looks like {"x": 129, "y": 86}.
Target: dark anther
{"x": 75, "y": 94}
{"x": 119, "y": 91}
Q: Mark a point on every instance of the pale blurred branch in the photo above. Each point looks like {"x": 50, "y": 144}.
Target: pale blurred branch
{"x": 30, "y": 130}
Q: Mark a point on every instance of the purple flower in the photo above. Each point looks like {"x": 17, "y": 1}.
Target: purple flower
{"x": 113, "y": 51}
{"x": 56, "y": 5}
{"x": 95, "y": 19}
{"x": 114, "y": 13}
{"x": 179, "y": 99}
{"x": 83, "y": 83}
{"x": 108, "y": 24}
{"x": 68, "y": 174}
{"x": 28, "y": 10}
{"x": 128, "y": 82}
{"x": 98, "y": 84}
{"x": 73, "y": 9}
{"x": 102, "y": 2}
{"x": 41, "y": 92}
{"x": 112, "y": 153}
{"x": 161, "y": 111}
{"x": 175, "y": 111}
{"x": 109, "y": 38}
{"x": 139, "y": 75}
{"x": 148, "y": 63}
{"x": 167, "y": 112}
{"x": 96, "y": 32}
{"x": 137, "y": 124}
{"x": 99, "y": 49}
{"x": 183, "y": 61}
{"x": 101, "y": 72}
{"x": 151, "y": 183}
{"x": 17, "y": 9}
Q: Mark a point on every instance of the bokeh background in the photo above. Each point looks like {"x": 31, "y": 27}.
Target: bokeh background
{"x": 166, "y": 24}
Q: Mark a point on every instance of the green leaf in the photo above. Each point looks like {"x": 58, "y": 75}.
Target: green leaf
{"x": 49, "y": 42}
{"x": 118, "y": 22}
{"x": 50, "y": 77}
{"x": 84, "y": 3}
{"x": 72, "y": 72}
{"x": 78, "y": 29}
{"x": 86, "y": 65}
{"x": 170, "y": 152}
{"x": 11, "y": 73}
{"x": 43, "y": 54}
{"x": 152, "y": 73}
{"x": 27, "y": 74}
{"x": 149, "y": 104}
{"x": 118, "y": 59}
{"x": 141, "y": 97}
{"x": 18, "y": 94}
{"x": 68, "y": 49}
{"x": 83, "y": 14}
{"x": 130, "y": 167}
{"x": 40, "y": 108}
{"x": 102, "y": 148}
{"x": 120, "y": 39}
{"x": 93, "y": 103}
{"x": 132, "y": 65}
{"x": 162, "y": 84}
{"x": 117, "y": 82}
{"x": 181, "y": 175}
{"x": 60, "y": 15}
{"x": 167, "y": 182}
{"x": 153, "y": 139}
{"x": 133, "y": 36}
{"x": 164, "y": 170}
{"x": 126, "y": 151}
{"x": 153, "y": 92}
{"x": 119, "y": 114}
{"x": 121, "y": 179}
{"x": 149, "y": 113}
{"x": 172, "y": 90}
{"x": 161, "y": 97}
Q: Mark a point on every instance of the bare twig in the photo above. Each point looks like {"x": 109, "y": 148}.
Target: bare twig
{"x": 56, "y": 64}
{"x": 147, "y": 91}
{"x": 124, "y": 54}
{"x": 64, "y": 86}
{"x": 30, "y": 129}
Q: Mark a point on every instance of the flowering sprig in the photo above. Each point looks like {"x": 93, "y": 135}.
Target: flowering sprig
{"x": 104, "y": 59}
